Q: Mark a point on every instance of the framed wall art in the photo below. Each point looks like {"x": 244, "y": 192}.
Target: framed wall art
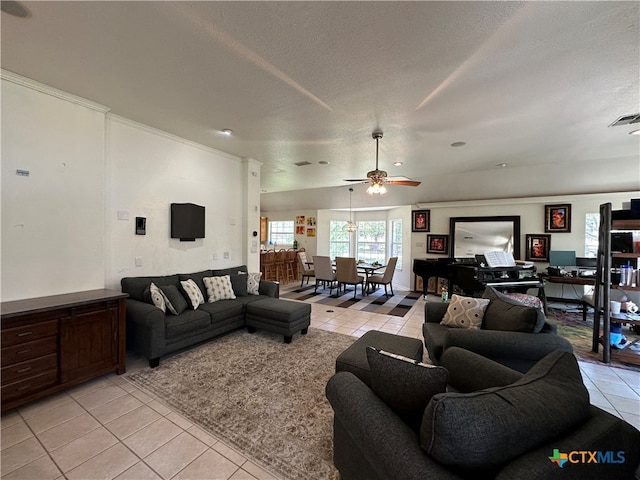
{"x": 538, "y": 247}
{"x": 557, "y": 218}
{"x": 437, "y": 243}
{"x": 420, "y": 221}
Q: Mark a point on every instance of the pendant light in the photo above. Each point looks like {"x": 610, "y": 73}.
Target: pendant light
{"x": 350, "y": 226}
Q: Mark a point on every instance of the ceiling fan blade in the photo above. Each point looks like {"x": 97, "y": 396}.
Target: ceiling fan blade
{"x": 355, "y": 180}
{"x": 406, "y": 183}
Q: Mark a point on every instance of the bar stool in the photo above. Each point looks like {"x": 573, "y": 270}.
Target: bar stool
{"x": 269, "y": 265}
{"x": 291, "y": 266}
{"x": 281, "y": 259}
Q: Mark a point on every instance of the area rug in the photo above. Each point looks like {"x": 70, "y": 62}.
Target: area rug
{"x": 396, "y": 305}
{"x": 580, "y": 334}
{"x": 259, "y": 395}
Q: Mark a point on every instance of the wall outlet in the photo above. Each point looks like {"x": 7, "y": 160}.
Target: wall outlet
{"x": 226, "y": 255}
{"x": 123, "y": 215}
{"x": 138, "y": 261}
{"x": 215, "y": 255}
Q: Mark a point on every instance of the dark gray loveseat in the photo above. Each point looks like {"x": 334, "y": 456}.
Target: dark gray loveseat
{"x": 500, "y": 424}
{"x": 152, "y": 333}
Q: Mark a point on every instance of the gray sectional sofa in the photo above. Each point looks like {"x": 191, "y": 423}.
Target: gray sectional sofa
{"x": 154, "y": 333}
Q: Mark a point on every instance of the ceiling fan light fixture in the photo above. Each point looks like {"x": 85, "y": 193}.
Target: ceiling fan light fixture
{"x": 377, "y": 188}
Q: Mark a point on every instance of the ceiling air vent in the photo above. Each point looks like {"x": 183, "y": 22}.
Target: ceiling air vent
{"x": 626, "y": 120}
{"x": 302, "y": 164}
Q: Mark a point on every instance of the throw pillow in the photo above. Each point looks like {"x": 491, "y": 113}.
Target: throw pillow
{"x": 173, "y": 299}
{"x": 465, "y": 312}
{"x": 507, "y": 314}
{"x": 253, "y": 283}
{"x": 193, "y": 292}
{"x": 404, "y": 384}
{"x": 489, "y": 427}
{"x": 219, "y": 288}
{"x": 156, "y": 297}
{"x": 239, "y": 284}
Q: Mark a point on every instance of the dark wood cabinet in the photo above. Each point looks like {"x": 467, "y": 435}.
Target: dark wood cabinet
{"x": 51, "y": 343}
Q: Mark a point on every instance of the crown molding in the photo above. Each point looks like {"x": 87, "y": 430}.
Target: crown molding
{"x": 48, "y": 90}
{"x": 155, "y": 131}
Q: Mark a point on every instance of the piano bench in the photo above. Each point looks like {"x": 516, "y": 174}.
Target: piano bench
{"x": 354, "y": 358}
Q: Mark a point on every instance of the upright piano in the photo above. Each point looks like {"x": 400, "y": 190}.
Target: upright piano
{"x": 471, "y": 278}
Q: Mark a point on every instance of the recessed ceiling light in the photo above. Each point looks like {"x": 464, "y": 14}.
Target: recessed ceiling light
{"x": 227, "y": 131}
{"x": 323, "y": 162}
{"x": 501, "y": 165}
{"x": 635, "y": 132}
{"x": 397, "y": 164}
{"x": 458, "y": 144}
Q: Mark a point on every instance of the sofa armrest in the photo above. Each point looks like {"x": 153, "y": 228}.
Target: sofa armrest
{"x": 143, "y": 313}
{"x": 517, "y": 350}
{"x": 485, "y": 372}
{"x": 600, "y": 432}
{"x": 370, "y": 440}
{"x": 434, "y": 311}
{"x": 269, "y": 288}
{"x": 145, "y": 329}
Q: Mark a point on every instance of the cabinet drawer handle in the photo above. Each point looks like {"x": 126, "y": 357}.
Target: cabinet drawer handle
{"x": 24, "y": 334}
{"x": 22, "y": 370}
{"x": 24, "y": 351}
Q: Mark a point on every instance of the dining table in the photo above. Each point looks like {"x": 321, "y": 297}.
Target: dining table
{"x": 368, "y": 269}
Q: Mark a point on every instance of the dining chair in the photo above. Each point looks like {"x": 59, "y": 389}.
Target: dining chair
{"x": 305, "y": 271}
{"x": 347, "y": 274}
{"x": 324, "y": 272}
{"x": 385, "y": 278}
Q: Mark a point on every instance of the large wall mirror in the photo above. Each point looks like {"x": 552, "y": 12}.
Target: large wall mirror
{"x": 475, "y": 235}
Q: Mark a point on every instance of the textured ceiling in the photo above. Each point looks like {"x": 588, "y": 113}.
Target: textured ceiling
{"x": 533, "y": 85}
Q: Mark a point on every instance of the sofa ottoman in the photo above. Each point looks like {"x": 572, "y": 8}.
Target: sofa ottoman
{"x": 279, "y": 316}
{"x": 354, "y": 358}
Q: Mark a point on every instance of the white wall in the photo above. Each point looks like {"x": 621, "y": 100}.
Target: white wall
{"x": 149, "y": 170}
{"x": 53, "y": 223}
{"x": 60, "y": 226}
{"x": 309, "y": 243}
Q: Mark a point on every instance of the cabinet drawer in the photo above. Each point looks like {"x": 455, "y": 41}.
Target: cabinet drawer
{"x": 28, "y": 333}
{"x": 29, "y": 385}
{"x": 23, "y": 370}
{"x": 29, "y": 350}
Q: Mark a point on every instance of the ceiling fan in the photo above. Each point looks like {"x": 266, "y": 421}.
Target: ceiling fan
{"x": 378, "y": 178}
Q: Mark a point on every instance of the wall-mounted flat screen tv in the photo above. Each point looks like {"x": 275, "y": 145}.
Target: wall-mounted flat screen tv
{"x": 187, "y": 221}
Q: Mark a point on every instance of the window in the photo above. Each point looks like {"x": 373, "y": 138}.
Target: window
{"x": 371, "y": 245}
{"x": 339, "y": 240}
{"x": 395, "y": 249}
{"x": 591, "y": 225}
{"x": 281, "y": 233}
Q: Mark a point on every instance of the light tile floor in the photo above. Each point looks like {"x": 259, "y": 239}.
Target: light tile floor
{"x": 109, "y": 429}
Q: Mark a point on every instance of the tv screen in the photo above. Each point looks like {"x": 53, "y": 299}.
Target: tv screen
{"x": 187, "y": 221}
